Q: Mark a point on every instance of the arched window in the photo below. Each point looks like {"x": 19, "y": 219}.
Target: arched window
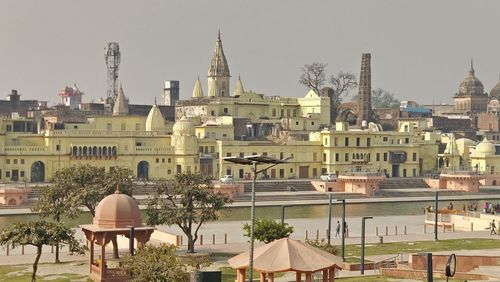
{"x": 94, "y": 151}
{"x": 85, "y": 151}
{"x": 105, "y": 151}
{"x": 80, "y": 151}
{"x": 75, "y": 151}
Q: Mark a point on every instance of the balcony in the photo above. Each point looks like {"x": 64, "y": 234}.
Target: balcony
{"x": 24, "y": 150}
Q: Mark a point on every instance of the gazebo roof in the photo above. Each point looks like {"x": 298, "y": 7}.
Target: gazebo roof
{"x": 287, "y": 255}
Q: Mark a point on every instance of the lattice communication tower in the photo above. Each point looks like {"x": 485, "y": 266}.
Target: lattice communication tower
{"x": 112, "y": 57}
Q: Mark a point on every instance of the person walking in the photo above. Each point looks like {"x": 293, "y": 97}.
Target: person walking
{"x": 346, "y": 230}
{"x": 337, "y": 230}
{"x": 493, "y": 228}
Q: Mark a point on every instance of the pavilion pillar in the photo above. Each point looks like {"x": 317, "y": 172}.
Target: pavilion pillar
{"x": 91, "y": 259}
{"x": 298, "y": 276}
{"x": 240, "y": 275}
{"x": 270, "y": 277}
{"x": 325, "y": 275}
{"x": 309, "y": 277}
{"x": 262, "y": 277}
{"x": 103, "y": 260}
{"x": 331, "y": 276}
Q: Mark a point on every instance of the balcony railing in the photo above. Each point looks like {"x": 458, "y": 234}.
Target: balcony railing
{"x": 102, "y": 133}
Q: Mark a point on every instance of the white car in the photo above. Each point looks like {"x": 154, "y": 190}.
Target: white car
{"x": 328, "y": 177}
{"x": 227, "y": 179}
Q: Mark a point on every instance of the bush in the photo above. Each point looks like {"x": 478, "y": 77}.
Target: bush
{"x": 268, "y": 230}
{"x": 323, "y": 245}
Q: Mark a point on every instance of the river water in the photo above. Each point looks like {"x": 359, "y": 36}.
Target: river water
{"x": 303, "y": 211}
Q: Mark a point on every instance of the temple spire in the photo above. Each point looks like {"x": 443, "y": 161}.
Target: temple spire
{"x": 218, "y": 72}
{"x": 471, "y": 66}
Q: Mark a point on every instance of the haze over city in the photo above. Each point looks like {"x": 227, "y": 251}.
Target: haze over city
{"x": 420, "y": 50}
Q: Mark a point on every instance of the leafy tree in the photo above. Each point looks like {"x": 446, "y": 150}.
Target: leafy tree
{"x": 39, "y": 233}
{"x": 384, "y": 99}
{"x": 156, "y": 263}
{"x": 268, "y": 230}
{"x": 188, "y": 201}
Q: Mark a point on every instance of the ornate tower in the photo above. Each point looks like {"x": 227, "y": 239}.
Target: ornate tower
{"x": 365, "y": 90}
{"x": 112, "y": 57}
{"x": 218, "y": 72}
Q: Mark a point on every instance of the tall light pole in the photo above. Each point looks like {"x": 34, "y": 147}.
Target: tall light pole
{"x": 436, "y": 203}
{"x": 254, "y": 160}
{"x": 343, "y": 228}
{"x": 329, "y": 217}
{"x": 363, "y": 220}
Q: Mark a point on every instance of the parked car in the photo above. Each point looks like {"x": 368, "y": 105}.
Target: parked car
{"x": 330, "y": 176}
{"x": 227, "y": 179}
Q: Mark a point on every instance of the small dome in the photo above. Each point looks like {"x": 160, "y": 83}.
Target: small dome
{"x": 155, "y": 120}
{"x": 117, "y": 211}
{"x": 495, "y": 92}
{"x": 471, "y": 85}
{"x": 485, "y": 148}
{"x": 184, "y": 127}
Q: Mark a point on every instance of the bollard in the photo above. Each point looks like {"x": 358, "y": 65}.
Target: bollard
{"x": 453, "y": 227}
{"x": 472, "y": 226}
{"x": 7, "y": 247}
{"x": 425, "y": 228}
{"x": 213, "y": 239}
{"x": 306, "y": 235}
{"x": 386, "y": 231}
{"x": 396, "y": 230}
{"x": 22, "y": 249}
{"x": 444, "y": 228}
{"x": 201, "y": 239}
{"x": 405, "y": 229}
{"x": 51, "y": 249}
{"x": 317, "y": 234}
{"x": 376, "y": 231}
{"x": 181, "y": 240}
{"x": 225, "y": 238}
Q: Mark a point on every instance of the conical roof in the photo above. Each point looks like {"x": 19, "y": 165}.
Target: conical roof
{"x": 218, "y": 65}
{"x": 238, "y": 90}
{"x": 121, "y": 104}
{"x": 197, "y": 91}
{"x": 287, "y": 255}
{"x": 155, "y": 120}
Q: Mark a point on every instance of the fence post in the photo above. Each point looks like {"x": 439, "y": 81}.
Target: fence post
{"x": 453, "y": 227}
{"x": 472, "y": 226}
{"x": 306, "y": 234}
{"x": 225, "y": 238}
{"x": 201, "y": 239}
{"x": 317, "y": 234}
{"x": 22, "y": 249}
{"x": 7, "y": 246}
{"x": 376, "y": 231}
{"x": 396, "y": 230}
{"x": 213, "y": 239}
{"x": 51, "y": 249}
{"x": 444, "y": 228}
{"x": 405, "y": 229}
{"x": 386, "y": 231}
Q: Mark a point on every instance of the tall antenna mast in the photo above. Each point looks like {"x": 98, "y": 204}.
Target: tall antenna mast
{"x": 112, "y": 57}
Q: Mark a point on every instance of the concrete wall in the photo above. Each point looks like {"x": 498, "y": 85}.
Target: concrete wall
{"x": 327, "y": 186}
{"x": 464, "y": 263}
{"x": 231, "y": 190}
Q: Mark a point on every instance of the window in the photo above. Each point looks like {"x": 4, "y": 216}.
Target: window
{"x": 282, "y": 155}
{"x": 7, "y": 174}
{"x": 123, "y": 126}
{"x": 385, "y": 139}
{"x": 212, "y": 149}
{"x": 15, "y": 161}
{"x": 9, "y": 127}
{"x": 385, "y": 157}
{"x": 294, "y": 113}
{"x": 109, "y": 126}
{"x": 346, "y": 141}
{"x": 58, "y": 147}
{"x": 324, "y": 157}
{"x": 228, "y": 154}
{"x": 169, "y": 160}
{"x": 378, "y": 157}
{"x": 21, "y": 173}
{"x": 274, "y": 112}
{"x": 335, "y": 141}
{"x": 212, "y": 113}
{"x": 200, "y": 149}
{"x": 296, "y": 123}
{"x": 288, "y": 112}
{"x": 315, "y": 156}
{"x": 22, "y": 161}
{"x": 242, "y": 154}
{"x": 407, "y": 140}
{"x": 157, "y": 160}
{"x": 226, "y": 110}
{"x": 163, "y": 160}
{"x": 337, "y": 157}
{"x": 346, "y": 157}
{"x": 368, "y": 142}
{"x": 312, "y": 122}
{"x": 264, "y": 154}
{"x": 358, "y": 141}
{"x": 326, "y": 141}
{"x": 137, "y": 126}
{"x": 7, "y": 161}
{"x": 228, "y": 171}
{"x": 169, "y": 171}
{"x": 414, "y": 157}
{"x": 282, "y": 113}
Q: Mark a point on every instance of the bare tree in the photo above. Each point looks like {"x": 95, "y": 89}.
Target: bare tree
{"x": 313, "y": 76}
{"x": 341, "y": 84}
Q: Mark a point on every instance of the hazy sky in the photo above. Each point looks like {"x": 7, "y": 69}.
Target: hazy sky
{"x": 420, "y": 49}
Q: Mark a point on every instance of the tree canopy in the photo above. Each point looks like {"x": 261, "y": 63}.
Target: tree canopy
{"x": 156, "y": 263}
{"x": 268, "y": 230}
{"x": 384, "y": 99}
{"x": 188, "y": 201}
{"x": 39, "y": 233}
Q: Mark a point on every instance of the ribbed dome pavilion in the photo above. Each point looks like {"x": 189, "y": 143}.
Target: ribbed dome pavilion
{"x": 471, "y": 85}
{"x": 155, "y": 120}
{"x": 184, "y": 127}
{"x": 117, "y": 211}
{"x": 495, "y": 92}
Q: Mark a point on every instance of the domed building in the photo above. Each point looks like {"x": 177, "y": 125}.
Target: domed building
{"x": 495, "y": 91}
{"x": 115, "y": 215}
{"x": 155, "y": 120}
{"x": 185, "y": 145}
{"x": 471, "y": 98}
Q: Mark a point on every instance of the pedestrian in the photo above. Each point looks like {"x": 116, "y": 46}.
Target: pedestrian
{"x": 337, "y": 230}
{"x": 346, "y": 230}
{"x": 493, "y": 228}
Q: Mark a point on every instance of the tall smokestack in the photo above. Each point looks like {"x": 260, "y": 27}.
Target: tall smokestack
{"x": 365, "y": 90}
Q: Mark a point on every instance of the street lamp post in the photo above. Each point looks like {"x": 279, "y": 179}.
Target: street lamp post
{"x": 254, "y": 160}
{"x": 329, "y": 217}
{"x": 363, "y": 220}
{"x": 283, "y": 212}
{"x": 343, "y": 228}
{"x": 436, "y": 217}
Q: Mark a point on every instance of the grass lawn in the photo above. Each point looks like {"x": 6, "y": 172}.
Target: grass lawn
{"x": 23, "y": 274}
{"x": 380, "y": 278}
{"x": 423, "y": 246}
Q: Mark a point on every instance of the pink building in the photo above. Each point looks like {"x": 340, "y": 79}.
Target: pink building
{"x": 71, "y": 97}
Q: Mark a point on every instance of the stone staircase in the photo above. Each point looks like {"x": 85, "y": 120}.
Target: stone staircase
{"x": 279, "y": 185}
{"x": 403, "y": 183}
{"x": 492, "y": 271}
{"x": 298, "y": 196}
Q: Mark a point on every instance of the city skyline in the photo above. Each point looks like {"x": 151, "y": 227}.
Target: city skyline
{"x": 415, "y": 59}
